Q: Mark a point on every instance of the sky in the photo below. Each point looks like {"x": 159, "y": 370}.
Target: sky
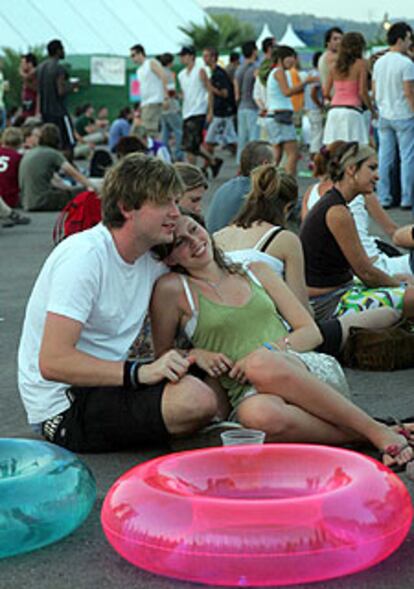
{"x": 362, "y": 10}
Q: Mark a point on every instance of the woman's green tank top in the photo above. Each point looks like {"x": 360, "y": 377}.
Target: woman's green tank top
{"x": 237, "y": 331}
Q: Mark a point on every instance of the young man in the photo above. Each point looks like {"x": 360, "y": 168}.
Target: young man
{"x": 40, "y": 188}
{"x": 244, "y": 79}
{"x": 53, "y": 88}
{"x": 222, "y": 106}
{"x": 153, "y": 88}
{"x": 333, "y": 38}
{"x": 194, "y": 84}
{"x": 88, "y": 305}
{"x": 393, "y": 88}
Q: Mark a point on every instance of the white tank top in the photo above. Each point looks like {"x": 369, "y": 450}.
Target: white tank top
{"x": 151, "y": 87}
{"x": 195, "y": 93}
{"x": 253, "y": 254}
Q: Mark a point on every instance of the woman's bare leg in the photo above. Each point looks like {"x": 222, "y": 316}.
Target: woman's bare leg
{"x": 277, "y": 374}
{"x": 370, "y": 319}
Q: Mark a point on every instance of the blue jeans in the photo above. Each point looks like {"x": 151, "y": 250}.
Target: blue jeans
{"x": 394, "y": 135}
{"x": 172, "y": 123}
{"x": 247, "y": 128}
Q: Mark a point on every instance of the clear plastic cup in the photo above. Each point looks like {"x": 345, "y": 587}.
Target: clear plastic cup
{"x": 237, "y": 437}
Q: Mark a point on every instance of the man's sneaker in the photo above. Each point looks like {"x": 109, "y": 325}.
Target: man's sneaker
{"x": 16, "y": 219}
{"x": 216, "y": 167}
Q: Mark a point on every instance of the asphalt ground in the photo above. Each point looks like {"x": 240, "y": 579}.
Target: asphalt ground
{"x": 84, "y": 560}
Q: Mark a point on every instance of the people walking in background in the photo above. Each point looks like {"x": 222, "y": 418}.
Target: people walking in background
{"x": 195, "y": 89}
{"x": 279, "y": 118}
{"x": 153, "y": 89}
{"x": 393, "y": 89}
{"x": 171, "y": 119}
{"x": 54, "y": 87}
{"x": 333, "y": 39}
{"x": 221, "y": 110}
{"x": 27, "y": 71}
{"x": 313, "y": 107}
{"x": 349, "y": 79}
{"x": 247, "y": 110}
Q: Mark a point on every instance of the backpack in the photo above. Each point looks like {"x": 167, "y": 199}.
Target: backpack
{"x": 82, "y": 212}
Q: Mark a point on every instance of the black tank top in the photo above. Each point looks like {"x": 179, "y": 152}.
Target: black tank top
{"x": 325, "y": 264}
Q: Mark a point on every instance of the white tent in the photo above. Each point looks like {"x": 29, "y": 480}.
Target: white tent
{"x": 266, "y": 32}
{"x": 98, "y": 26}
{"x": 290, "y": 38}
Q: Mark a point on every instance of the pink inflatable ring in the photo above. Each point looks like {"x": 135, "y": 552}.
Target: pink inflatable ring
{"x": 276, "y": 514}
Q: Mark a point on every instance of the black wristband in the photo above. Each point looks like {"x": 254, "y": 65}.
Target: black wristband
{"x": 131, "y": 379}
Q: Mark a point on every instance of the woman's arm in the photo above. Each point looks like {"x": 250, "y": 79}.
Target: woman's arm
{"x": 288, "y": 248}
{"x": 304, "y": 206}
{"x": 305, "y": 334}
{"x": 342, "y": 226}
{"x": 377, "y": 213}
{"x": 287, "y": 90}
{"x": 327, "y": 89}
{"x": 164, "y": 325}
{"x": 404, "y": 236}
{"x": 363, "y": 85}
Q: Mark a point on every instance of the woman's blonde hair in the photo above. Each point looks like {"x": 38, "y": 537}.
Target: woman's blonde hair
{"x": 272, "y": 190}
{"x": 191, "y": 176}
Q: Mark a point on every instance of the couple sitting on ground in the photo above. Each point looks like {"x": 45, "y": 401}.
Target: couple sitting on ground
{"x": 90, "y": 300}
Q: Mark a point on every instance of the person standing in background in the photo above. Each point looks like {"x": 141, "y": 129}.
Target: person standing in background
{"x": 244, "y": 79}
{"x": 53, "y": 88}
{"x": 333, "y": 38}
{"x": 27, "y": 71}
{"x": 153, "y": 88}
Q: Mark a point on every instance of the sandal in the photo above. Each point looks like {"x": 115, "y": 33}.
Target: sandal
{"x": 394, "y": 450}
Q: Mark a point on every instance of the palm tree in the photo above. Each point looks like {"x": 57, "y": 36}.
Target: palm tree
{"x": 222, "y": 31}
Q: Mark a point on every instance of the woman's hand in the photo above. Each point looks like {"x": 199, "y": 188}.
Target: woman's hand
{"x": 213, "y": 363}
{"x": 238, "y": 372}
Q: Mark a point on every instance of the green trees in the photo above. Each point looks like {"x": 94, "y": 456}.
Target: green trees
{"x": 223, "y": 31}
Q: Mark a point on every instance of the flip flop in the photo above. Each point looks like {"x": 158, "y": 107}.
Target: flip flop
{"x": 395, "y": 450}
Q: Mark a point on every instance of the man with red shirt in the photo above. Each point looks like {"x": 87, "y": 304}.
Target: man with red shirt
{"x": 9, "y": 165}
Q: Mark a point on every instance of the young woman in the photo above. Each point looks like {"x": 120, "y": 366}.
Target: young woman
{"x": 235, "y": 322}
{"x": 195, "y": 184}
{"x": 349, "y": 80}
{"x": 279, "y": 121}
{"x": 258, "y": 232}
{"x": 364, "y": 208}
{"x": 332, "y": 248}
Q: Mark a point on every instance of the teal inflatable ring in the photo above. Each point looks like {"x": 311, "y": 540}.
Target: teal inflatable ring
{"x": 46, "y": 492}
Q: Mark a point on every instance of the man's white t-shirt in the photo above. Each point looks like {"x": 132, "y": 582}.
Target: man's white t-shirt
{"x": 85, "y": 279}
{"x": 195, "y": 93}
{"x": 390, "y": 71}
{"x": 151, "y": 86}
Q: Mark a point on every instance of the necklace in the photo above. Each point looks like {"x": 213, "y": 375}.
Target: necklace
{"x": 215, "y": 285}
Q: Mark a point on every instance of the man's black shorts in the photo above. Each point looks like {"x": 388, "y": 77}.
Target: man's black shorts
{"x": 193, "y": 128}
{"x": 106, "y": 419}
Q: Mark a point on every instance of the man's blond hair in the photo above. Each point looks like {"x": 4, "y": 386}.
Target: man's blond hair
{"x": 134, "y": 180}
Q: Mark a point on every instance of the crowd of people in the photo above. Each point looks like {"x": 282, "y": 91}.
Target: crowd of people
{"x": 248, "y": 317}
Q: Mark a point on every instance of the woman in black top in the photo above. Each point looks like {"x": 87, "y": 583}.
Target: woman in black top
{"x": 340, "y": 276}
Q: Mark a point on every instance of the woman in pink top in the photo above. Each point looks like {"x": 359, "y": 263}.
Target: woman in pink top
{"x": 349, "y": 79}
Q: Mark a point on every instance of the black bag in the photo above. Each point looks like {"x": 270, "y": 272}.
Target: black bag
{"x": 283, "y": 117}
{"x": 390, "y": 348}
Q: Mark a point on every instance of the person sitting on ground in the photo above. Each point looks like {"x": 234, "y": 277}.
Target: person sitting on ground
{"x": 121, "y": 127}
{"x": 40, "y": 189}
{"x": 228, "y": 199}
{"x": 364, "y": 208}
{"x": 85, "y": 310}
{"x": 258, "y": 234}
{"x": 31, "y": 133}
{"x": 195, "y": 186}
{"x": 10, "y": 158}
{"x": 87, "y": 133}
{"x": 235, "y": 320}
{"x": 333, "y": 252}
